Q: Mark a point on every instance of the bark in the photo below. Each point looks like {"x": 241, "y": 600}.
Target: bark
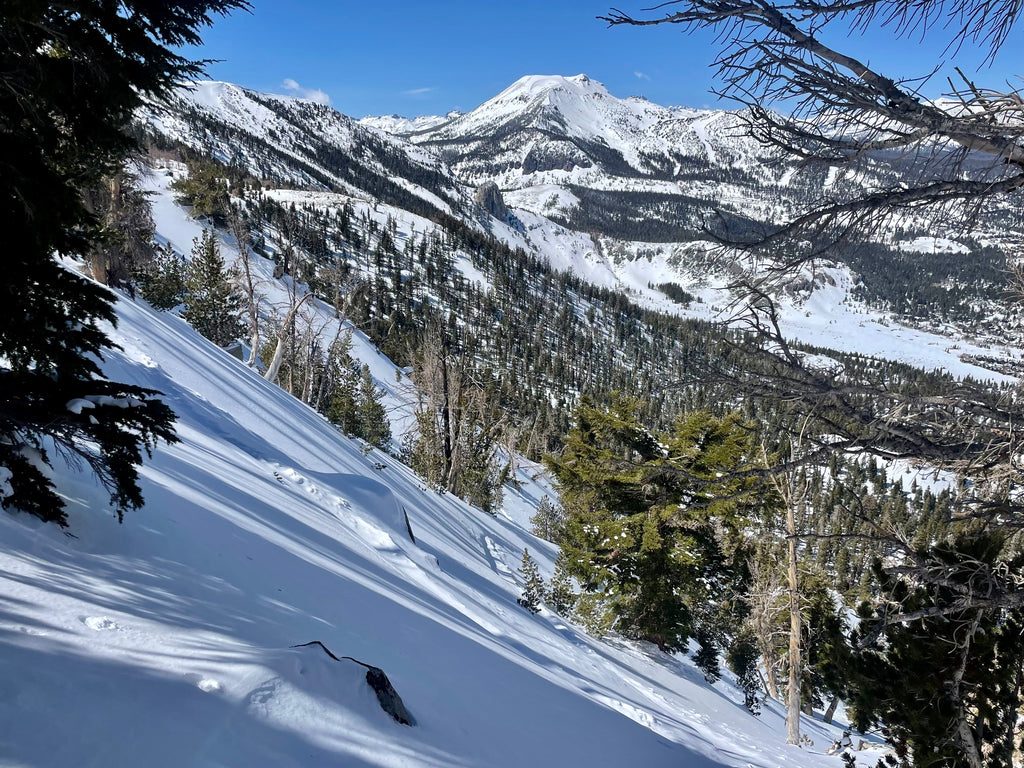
{"x": 793, "y": 703}
{"x": 248, "y": 287}
{"x": 282, "y": 340}
{"x": 831, "y": 711}
{"x": 963, "y": 733}
{"x": 446, "y": 423}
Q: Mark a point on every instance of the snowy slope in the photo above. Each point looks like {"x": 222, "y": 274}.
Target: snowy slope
{"x": 293, "y": 140}
{"x": 402, "y": 126}
{"x": 554, "y": 129}
{"x": 548, "y": 141}
{"x": 167, "y": 641}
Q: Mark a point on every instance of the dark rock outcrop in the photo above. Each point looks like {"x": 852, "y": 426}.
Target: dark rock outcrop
{"x": 387, "y": 696}
{"x": 488, "y": 197}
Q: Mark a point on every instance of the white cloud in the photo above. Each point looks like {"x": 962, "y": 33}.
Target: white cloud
{"x": 418, "y": 91}
{"x": 642, "y": 76}
{"x": 310, "y": 94}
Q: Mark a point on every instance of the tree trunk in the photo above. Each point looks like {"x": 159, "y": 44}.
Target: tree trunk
{"x": 963, "y": 735}
{"x": 282, "y": 338}
{"x": 446, "y": 422}
{"x": 248, "y": 287}
{"x": 793, "y": 704}
{"x": 831, "y": 711}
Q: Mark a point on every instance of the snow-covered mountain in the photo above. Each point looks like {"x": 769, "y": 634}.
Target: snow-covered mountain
{"x": 297, "y": 142}
{"x": 403, "y": 126}
{"x": 543, "y": 124}
{"x": 616, "y": 191}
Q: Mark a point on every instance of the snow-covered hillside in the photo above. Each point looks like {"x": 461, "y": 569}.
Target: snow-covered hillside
{"x": 554, "y": 129}
{"x": 168, "y": 640}
{"x": 402, "y": 126}
{"x": 336, "y": 161}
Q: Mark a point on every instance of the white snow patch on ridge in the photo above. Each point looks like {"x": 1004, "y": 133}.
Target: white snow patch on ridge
{"x": 933, "y": 245}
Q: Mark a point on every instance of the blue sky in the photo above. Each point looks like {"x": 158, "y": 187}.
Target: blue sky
{"x": 413, "y": 58}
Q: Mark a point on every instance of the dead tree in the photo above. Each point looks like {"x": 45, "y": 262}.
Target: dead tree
{"x": 247, "y": 283}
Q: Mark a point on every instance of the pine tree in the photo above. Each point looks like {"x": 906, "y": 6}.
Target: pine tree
{"x": 204, "y": 188}
{"x": 374, "y": 426}
{"x": 125, "y": 243}
{"x": 562, "y": 597}
{"x": 655, "y": 525}
{"x": 533, "y": 589}
{"x": 162, "y": 281}
{"x": 212, "y": 305}
{"x": 74, "y": 73}
{"x": 339, "y": 403}
{"x": 548, "y": 521}
{"x": 741, "y": 658}
{"x": 706, "y": 657}
{"x": 947, "y": 685}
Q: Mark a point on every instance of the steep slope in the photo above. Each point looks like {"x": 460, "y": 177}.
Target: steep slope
{"x": 629, "y": 216}
{"x": 167, "y": 641}
{"x": 302, "y": 143}
{"x": 638, "y": 177}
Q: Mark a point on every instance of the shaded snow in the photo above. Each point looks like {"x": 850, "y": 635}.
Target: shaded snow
{"x": 167, "y": 641}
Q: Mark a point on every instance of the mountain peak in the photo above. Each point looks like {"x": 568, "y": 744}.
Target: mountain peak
{"x": 535, "y": 85}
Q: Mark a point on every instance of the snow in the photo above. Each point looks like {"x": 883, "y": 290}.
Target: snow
{"x": 400, "y": 126}
{"x": 933, "y": 245}
{"x": 179, "y": 230}
{"x": 168, "y": 640}
{"x": 700, "y": 127}
{"x": 583, "y": 108}
{"x": 580, "y": 105}
{"x": 826, "y": 315}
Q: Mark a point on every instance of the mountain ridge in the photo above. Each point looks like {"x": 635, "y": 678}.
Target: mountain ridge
{"x": 581, "y": 204}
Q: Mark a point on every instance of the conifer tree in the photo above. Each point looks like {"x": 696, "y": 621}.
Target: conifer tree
{"x": 458, "y": 427}
{"x": 374, "y": 426}
{"x": 342, "y": 407}
{"x": 706, "y": 656}
{"x": 205, "y": 189}
{"x": 561, "y": 595}
{"x": 741, "y": 658}
{"x": 212, "y": 305}
{"x": 533, "y": 589}
{"x": 655, "y": 524}
{"x": 548, "y": 521}
{"x": 73, "y": 73}
{"x": 339, "y": 403}
{"x": 162, "y": 280}
{"x": 947, "y": 685}
{"x": 124, "y": 246}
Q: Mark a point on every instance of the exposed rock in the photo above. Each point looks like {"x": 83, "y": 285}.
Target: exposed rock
{"x": 488, "y": 197}
{"x": 387, "y": 696}
{"x": 408, "y": 526}
{"x": 554, "y": 157}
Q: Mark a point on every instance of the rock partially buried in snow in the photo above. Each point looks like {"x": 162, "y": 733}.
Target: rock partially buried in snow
{"x": 388, "y": 697}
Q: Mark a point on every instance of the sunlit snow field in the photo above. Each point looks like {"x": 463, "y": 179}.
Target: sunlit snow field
{"x": 167, "y": 640}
